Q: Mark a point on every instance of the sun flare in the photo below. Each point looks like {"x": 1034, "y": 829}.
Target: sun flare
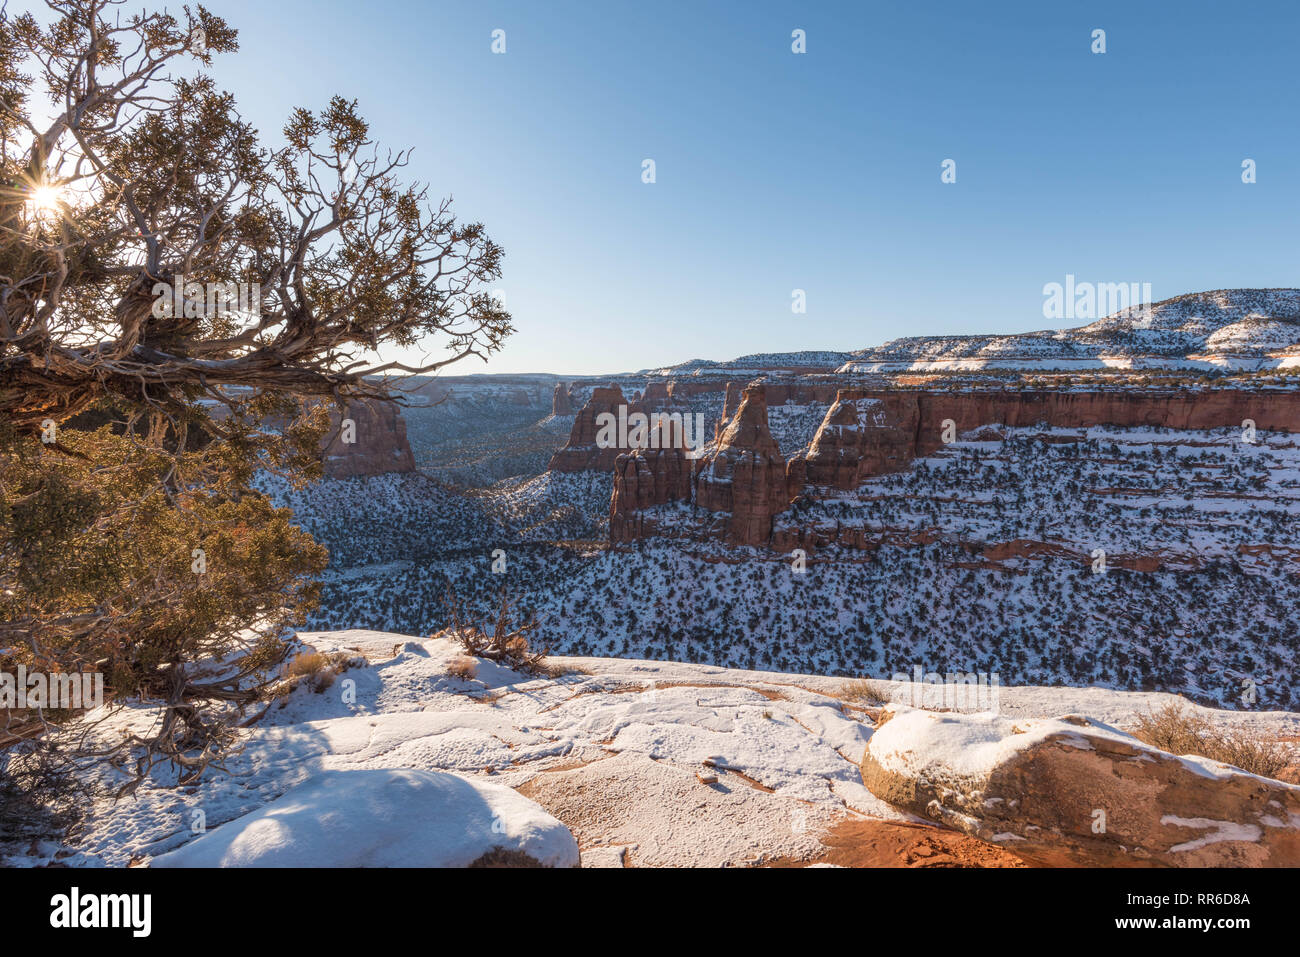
{"x": 46, "y": 200}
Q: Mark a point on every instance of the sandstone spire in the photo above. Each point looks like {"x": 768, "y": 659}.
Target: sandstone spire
{"x": 746, "y": 474}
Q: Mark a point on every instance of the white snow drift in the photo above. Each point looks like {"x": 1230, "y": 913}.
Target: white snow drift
{"x": 390, "y": 817}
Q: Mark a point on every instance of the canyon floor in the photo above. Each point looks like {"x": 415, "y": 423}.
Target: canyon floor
{"x": 648, "y": 763}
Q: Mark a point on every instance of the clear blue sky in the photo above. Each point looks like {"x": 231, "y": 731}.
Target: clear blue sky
{"x": 818, "y": 171}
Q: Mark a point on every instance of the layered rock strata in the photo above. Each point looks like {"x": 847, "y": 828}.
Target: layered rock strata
{"x": 867, "y": 433}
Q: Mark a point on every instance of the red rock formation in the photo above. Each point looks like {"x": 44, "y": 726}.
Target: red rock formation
{"x": 380, "y": 441}
{"x": 562, "y": 400}
{"x": 687, "y": 388}
{"x": 581, "y": 452}
{"x": 729, "y": 406}
{"x": 860, "y": 437}
{"x": 1182, "y": 409}
{"x": 743, "y": 480}
{"x": 656, "y": 395}
{"x": 873, "y": 432}
{"x": 646, "y": 477}
{"x": 745, "y": 475}
{"x": 914, "y": 421}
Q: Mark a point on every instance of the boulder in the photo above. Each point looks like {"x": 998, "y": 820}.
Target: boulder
{"x": 1072, "y": 791}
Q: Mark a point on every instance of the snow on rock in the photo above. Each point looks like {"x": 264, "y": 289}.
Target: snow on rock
{"x": 393, "y": 817}
{"x": 619, "y": 750}
{"x": 1072, "y": 791}
{"x": 612, "y": 749}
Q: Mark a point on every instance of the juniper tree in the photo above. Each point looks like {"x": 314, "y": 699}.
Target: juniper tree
{"x": 133, "y": 419}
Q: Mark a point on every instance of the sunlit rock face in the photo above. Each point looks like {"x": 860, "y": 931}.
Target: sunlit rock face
{"x": 581, "y": 452}
{"x": 379, "y": 441}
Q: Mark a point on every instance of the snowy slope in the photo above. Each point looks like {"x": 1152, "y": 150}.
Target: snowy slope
{"x": 756, "y": 364}
{"x": 985, "y": 560}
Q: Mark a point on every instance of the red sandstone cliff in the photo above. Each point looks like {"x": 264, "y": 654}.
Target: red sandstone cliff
{"x": 868, "y": 433}
{"x": 581, "y": 452}
{"x": 380, "y": 441}
{"x": 743, "y": 480}
{"x": 1181, "y": 409}
{"x": 730, "y": 403}
{"x": 861, "y": 436}
{"x": 647, "y": 477}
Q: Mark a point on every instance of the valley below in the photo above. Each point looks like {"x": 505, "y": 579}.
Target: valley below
{"x": 1109, "y": 529}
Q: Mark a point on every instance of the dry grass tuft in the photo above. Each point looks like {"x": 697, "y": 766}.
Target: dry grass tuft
{"x": 1181, "y": 731}
{"x": 463, "y": 667}
{"x": 316, "y": 670}
{"x": 555, "y": 669}
{"x": 865, "y": 691}
{"x": 500, "y": 640}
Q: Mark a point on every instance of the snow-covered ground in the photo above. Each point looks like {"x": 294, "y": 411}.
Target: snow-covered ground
{"x": 959, "y": 580}
{"x": 383, "y": 817}
{"x": 647, "y": 763}
{"x": 552, "y": 505}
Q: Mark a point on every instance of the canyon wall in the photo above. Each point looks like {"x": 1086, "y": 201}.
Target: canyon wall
{"x": 868, "y": 433}
{"x": 744, "y": 481}
{"x": 745, "y": 476}
{"x": 581, "y": 452}
{"x": 1275, "y": 410}
{"x": 648, "y": 477}
{"x": 862, "y": 435}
